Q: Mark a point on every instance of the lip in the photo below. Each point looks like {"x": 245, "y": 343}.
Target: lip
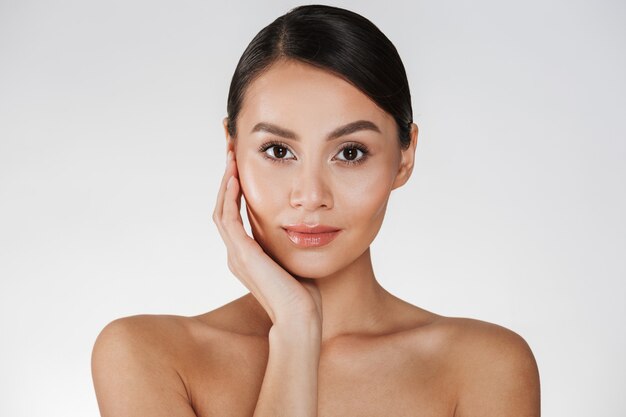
{"x": 305, "y": 236}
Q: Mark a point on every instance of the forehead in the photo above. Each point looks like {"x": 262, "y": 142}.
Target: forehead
{"x": 308, "y": 99}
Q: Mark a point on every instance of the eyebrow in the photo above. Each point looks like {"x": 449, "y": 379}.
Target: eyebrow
{"x": 340, "y": 131}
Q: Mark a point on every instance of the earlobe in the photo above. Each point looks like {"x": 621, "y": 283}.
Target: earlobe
{"x": 407, "y": 160}
{"x": 229, "y": 141}
{"x": 225, "y": 124}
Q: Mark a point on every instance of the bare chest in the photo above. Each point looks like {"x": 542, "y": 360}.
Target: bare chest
{"x": 364, "y": 380}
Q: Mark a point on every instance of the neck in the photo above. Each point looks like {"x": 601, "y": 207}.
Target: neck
{"x": 353, "y": 302}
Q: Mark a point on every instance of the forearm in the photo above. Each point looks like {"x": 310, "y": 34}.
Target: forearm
{"x": 290, "y": 383}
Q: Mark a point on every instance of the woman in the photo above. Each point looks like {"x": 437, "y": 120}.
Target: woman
{"x": 319, "y": 132}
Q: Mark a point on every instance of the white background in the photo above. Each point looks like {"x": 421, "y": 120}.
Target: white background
{"x": 112, "y": 149}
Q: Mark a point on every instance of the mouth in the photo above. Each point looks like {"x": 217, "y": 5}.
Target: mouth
{"x": 304, "y": 236}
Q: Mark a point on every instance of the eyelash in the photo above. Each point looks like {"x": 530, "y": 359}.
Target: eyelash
{"x": 351, "y": 145}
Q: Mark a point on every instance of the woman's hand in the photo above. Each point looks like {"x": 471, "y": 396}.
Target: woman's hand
{"x": 284, "y": 298}
{"x": 290, "y": 380}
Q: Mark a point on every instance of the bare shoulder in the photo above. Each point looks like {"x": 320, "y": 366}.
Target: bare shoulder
{"x": 482, "y": 338}
{"x": 494, "y": 367}
{"x": 149, "y": 364}
{"x": 134, "y": 366}
{"x": 155, "y": 336}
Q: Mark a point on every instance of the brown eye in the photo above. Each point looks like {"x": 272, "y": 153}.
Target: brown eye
{"x": 277, "y": 153}
{"x": 280, "y": 153}
{"x": 350, "y": 153}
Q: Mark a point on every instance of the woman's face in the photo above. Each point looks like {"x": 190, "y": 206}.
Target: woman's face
{"x": 343, "y": 182}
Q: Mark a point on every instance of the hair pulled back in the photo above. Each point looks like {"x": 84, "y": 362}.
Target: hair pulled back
{"x": 337, "y": 40}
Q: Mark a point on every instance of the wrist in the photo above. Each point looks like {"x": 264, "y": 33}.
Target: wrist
{"x": 298, "y": 332}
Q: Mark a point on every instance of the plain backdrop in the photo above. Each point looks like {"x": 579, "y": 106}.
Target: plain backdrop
{"x": 112, "y": 149}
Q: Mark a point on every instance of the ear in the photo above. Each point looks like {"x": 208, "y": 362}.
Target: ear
{"x": 230, "y": 143}
{"x": 407, "y": 161}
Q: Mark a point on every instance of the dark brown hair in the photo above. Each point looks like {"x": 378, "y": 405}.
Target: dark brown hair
{"x": 337, "y": 40}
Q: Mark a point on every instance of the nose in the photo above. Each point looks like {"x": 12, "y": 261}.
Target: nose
{"x": 310, "y": 189}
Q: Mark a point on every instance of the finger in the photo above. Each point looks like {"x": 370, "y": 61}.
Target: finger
{"x": 219, "y": 203}
{"x": 240, "y": 189}
{"x": 231, "y": 216}
{"x": 234, "y": 162}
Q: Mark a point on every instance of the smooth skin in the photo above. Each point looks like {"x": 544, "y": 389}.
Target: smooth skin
{"x": 317, "y": 335}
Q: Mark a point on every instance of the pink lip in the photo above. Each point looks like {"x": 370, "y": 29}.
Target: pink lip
{"x": 306, "y": 236}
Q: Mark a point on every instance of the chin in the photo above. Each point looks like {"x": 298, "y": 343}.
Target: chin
{"x": 318, "y": 271}
{"x": 313, "y": 263}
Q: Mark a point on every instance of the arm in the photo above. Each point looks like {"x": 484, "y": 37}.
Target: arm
{"x": 289, "y": 386}
{"x": 132, "y": 376}
{"x": 500, "y": 376}
{"x": 290, "y": 383}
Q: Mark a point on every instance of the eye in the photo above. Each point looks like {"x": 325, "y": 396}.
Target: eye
{"x": 351, "y": 151}
{"x": 279, "y": 150}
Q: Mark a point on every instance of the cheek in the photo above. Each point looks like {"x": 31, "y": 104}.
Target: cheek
{"x": 365, "y": 195}
{"x": 260, "y": 186}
